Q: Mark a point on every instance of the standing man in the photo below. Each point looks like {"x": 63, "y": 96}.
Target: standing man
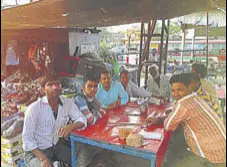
{"x": 130, "y": 87}
{"x": 201, "y": 71}
{"x": 46, "y": 121}
{"x": 158, "y": 84}
{"x": 110, "y": 94}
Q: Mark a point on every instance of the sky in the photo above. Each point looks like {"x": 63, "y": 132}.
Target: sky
{"x": 13, "y": 2}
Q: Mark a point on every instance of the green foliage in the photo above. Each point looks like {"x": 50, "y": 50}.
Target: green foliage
{"x": 174, "y": 28}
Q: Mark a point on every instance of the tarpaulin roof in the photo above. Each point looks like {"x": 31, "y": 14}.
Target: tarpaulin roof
{"x": 216, "y": 18}
{"x": 99, "y": 13}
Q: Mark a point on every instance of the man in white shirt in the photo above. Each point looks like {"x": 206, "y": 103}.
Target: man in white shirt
{"x": 158, "y": 84}
{"x": 46, "y": 123}
{"x": 130, "y": 87}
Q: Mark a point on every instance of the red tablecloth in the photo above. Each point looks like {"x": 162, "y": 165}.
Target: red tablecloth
{"x": 104, "y": 129}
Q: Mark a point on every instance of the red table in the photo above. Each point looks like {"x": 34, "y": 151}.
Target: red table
{"x": 105, "y": 133}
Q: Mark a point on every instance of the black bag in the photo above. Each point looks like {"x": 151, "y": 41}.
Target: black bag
{"x": 89, "y": 65}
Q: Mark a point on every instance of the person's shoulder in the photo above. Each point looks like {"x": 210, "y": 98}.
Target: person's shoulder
{"x": 79, "y": 97}
{"x": 66, "y": 100}
{"x": 34, "y": 107}
{"x": 116, "y": 84}
{"x": 166, "y": 76}
{"x": 189, "y": 99}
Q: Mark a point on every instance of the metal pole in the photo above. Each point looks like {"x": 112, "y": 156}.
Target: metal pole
{"x": 140, "y": 56}
{"x": 193, "y": 42}
{"x": 147, "y": 51}
{"x": 182, "y": 47}
{"x": 161, "y": 47}
{"x": 207, "y": 29}
{"x": 166, "y": 50}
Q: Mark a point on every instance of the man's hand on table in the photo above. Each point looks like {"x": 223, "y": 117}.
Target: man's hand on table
{"x": 114, "y": 105}
{"x": 102, "y": 111}
{"x": 153, "y": 121}
{"x": 64, "y": 131}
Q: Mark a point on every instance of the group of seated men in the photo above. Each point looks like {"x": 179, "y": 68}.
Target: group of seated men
{"x": 50, "y": 120}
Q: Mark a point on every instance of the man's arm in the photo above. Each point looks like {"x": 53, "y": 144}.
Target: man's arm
{"x": 82, "y": 105}
{"x": 42, "y": 157}
{"x": 123, "y": 95}
{"x": 77, "y": 117}
{"x": 178, "y": 115}
{"x": 30, "y": 123}
{"x": 139, "y": 92}
{"x": 79, "y": 120}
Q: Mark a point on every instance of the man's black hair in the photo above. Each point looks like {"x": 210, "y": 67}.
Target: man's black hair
{"x": 180, "y": 78}
{"x": 48, "y": 78}
{"x": 200, "y": 69}
{"x": 90, "y": 77}
{"x": 104, "y": 72}
{"x": 123, "y": 72}
{"x": 193, "y": 77}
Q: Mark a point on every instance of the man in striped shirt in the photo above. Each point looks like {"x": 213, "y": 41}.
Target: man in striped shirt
{"x": 46, "y": 125}
{"x": 87, "y": 102}
{"x": 205, "y": 134}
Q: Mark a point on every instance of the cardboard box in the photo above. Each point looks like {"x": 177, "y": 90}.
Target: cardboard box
{"x": 12, "y": 154}
{"x": 11, "y": 142}
{"x": 11, "y": 161}
{"x": 10, "y": 150}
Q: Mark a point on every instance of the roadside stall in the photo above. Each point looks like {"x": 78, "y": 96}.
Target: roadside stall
{"x": 56, "y": 50}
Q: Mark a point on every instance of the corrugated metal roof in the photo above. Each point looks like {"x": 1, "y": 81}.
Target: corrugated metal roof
{"x": 98, "y": 13}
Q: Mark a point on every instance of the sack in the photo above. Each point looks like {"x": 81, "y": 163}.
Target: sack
{"x": 15, "y": 129}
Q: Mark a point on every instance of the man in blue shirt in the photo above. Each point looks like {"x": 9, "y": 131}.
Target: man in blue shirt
{"x": 110, "y": 94}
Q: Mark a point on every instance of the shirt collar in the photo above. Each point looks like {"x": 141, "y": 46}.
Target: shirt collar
{"x": 187, "y": 97}
{"x": 45, "y": 100}
{"x": 90, "y": 99}
{"x": 100, "y": 86}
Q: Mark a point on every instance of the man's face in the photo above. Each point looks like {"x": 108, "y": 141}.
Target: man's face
{"x": 124, "y": 79}
{"x": 193, "y": 86}
{"x": 90, "y": 88}
{"x": 179, "y": 90}
{"x": 193, "y": 70}
{"x": 154, "y": 73}
{"x": 105, "y": 80}
{"x": 53, "y": 89}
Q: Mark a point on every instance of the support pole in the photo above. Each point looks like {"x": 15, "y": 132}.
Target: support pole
{"x": 207, "y": 33}
{"x": 193, "y": 42}
{"x": 166, "y": 50}
{"x": 182, "y": 46}
{"x": 147, "y": 52}
{"x": 141, "y": 51}
{"x": 161, "y": 47}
